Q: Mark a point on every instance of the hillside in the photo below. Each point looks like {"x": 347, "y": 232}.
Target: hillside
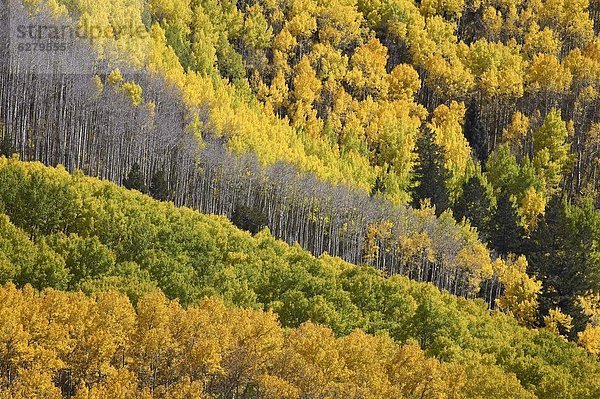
{"x": 139, "y": 134}
{"x": 301, "y": 199}
{"x": 484, "y": 108}
{"x": 72, "y": 232}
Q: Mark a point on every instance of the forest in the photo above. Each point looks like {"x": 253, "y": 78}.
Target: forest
{"x": 114, "y": 249}
{"x": 454, "y": 143}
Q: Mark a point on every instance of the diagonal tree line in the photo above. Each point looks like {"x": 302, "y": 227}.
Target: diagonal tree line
{"x": 94, "y": 122}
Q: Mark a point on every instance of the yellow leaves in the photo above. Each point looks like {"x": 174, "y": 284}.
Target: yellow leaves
{"x": 492, "y": 21}
{"x": 403, "y": 82}
{"x": 203, "y": 336}
{"x": 284, "y": 41}
{"x": 475, "y": 261}
{"x": 541, "y": 41}
{"x": 545, "y": 73}
{"x": 436, "y": 50}
{"x": 303, "y": 22}
{"x": 204, "y": 350}
{"x": 306, "y": 84}
{"x": 121, "y": 384}
{"x": 204, "y": 42}
{"x": 376, "y": 233}
{"x": 273, "y": 387}
{"x": 449, "y": 77}
{"x": 15, "y": 351}
{"x": 331, "y": 64}
{"x": 367, "y": 357}
{"x": 114, "y": 77}
{"x": 278, "y": 92}
{"x": 368, "y": 74}
{"x": 589, "y": 339}
{"x": 257, "y": 340}
{"x": 590, "y": 303}
{"x": 517, "y": 131}
{"x": 131, "y": 89}
{"x": 532, "y": 207}
{"x": 339, "y": 23}
{"x": 447, "y": 124}
{"x": 520, "y": 290}
{"x": 152, "y": 340}
{"x": 569, "y": 17}
{"x": 34, "y": 383}
{"x": 417, "y": 244}
{"x": 257, "y": 33}
{"x": 311, "y": 361}
{"x": 584, "y": 67}
{"x": 484, "y": 380}
{"x": 171, "y": 10}
{"x": 498, "y": 68}
{"x": 580, "y": 27}
{"x": 134, "y": 91}
{"x": 450, "y": 9}
{"x": 415, "y": 376}
{"x": 558, "y": 322}
{"x": 371, "y": 247}
{"x": 306, "y": 90}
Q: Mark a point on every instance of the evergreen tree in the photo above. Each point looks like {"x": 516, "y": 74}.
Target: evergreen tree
{"x": 159, "y": 187}
{"x": 6, "y": 147}
{"x": 476, "y": 133}
{"x": 506, "y": 234}
{"x": 135, "y": 179}
{"x": 430, "y": 174}
{"x": 474, "y": 204}
{"x": 558, "y": 256}
{"x": 249, "y": 218}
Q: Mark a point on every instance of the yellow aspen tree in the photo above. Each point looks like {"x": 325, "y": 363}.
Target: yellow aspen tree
{"x": 152, "y": 345}
{"x": 493, "y": 22}
{"x": 449, "y": 9}
{"x": 546, "y": 74}
{"x": 403, "y": 82}
{"x": 532, "y": 208}
{"x": 367, "y": 359}
{"x": 257, "y": 32}
{"x": 34, "y": 383}
{"x": 520, "y": 290}
{"x": 590, "y": 337}
{"x": 517, "y": 132}
{"x": 415, "y": 375}
{"x": 278, "y": 93}
{"x": 558, "y": 322}
{"x": 306, "y": 90}
{"x": 367, "y": 75}
{"x": 311, "y": 361}
{"x": 541, "y": 41}
{"x": 447, "y": 123}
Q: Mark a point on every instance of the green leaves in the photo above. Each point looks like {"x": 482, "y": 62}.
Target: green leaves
{"x": 128, "y": 242}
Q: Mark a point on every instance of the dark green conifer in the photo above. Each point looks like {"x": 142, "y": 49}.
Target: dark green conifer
{"x": 6, "y": 147}
{"x": 474, "y": 204}
{"x": 249, "y": 218}
{"x": 559, "y": 256}
{"x": 159, "y": 188}
{"x": 506, "y": 234}
{"x": 135, "y": 179}
{"x": 430, "y": 174}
